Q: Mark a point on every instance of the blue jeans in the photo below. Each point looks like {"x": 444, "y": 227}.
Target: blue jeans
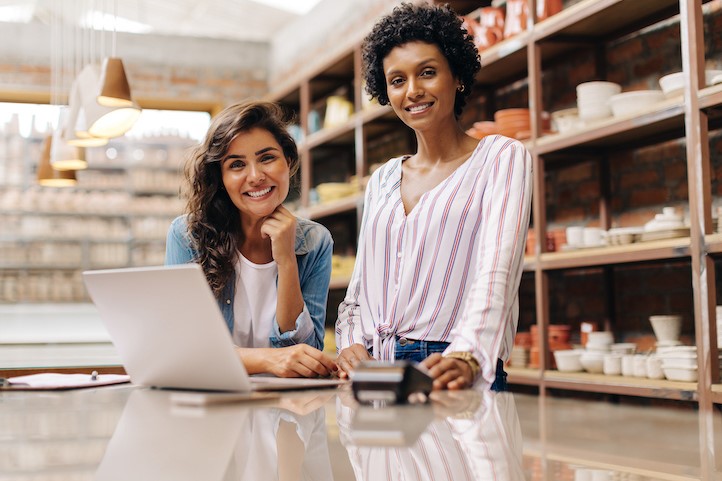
{"x": 417, "y": 351}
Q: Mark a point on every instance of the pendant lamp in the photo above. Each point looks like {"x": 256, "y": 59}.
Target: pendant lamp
{"x": 75, "y": 131}
{"x": 102, "y": 121}
{"x": 114, "y": 87}
{"x": 64, "y": 156}
{"x": 49, "y": 177}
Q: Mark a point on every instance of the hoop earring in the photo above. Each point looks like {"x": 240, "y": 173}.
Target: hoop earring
{"x": 461, "y": 88}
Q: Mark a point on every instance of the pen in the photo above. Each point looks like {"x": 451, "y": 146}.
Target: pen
{"x": 5, "y": 382}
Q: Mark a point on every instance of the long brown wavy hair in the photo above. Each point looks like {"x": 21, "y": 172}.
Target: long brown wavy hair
{"x": 214, "y": 222}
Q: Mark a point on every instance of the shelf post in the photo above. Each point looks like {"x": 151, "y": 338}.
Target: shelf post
{"x": 698, "y": 175}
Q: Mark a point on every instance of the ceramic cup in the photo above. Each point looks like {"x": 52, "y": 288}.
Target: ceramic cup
{"x": 612, "y": 364}
{"x": 628, "y": 365}
{"x": 575, "y": 237}
{"x": 654, "y": 367}
{"x": 592, "y": 236}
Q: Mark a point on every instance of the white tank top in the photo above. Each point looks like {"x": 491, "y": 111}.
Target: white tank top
{"x": 254, "y": 307}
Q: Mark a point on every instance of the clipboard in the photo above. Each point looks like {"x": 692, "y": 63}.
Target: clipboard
{"x": 52, "y": 381}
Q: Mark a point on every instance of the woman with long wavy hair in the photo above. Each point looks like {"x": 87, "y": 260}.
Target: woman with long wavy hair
{"x": 269, "y": 270}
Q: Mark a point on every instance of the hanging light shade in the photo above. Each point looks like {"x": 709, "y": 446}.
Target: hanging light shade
{"x": 114, "y": 87}
{"x": 64, "y": 156}
{"x": 75, "y": 131}
{"x": 49, "y": 177}
{"x": 102, "y": 121}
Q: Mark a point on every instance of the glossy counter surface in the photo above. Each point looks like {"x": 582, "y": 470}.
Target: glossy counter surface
{"x": 128, "y": 433}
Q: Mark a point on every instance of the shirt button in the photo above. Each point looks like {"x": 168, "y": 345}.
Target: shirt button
{"x": 228, "y": 301}
{"x": 399, "y": 255}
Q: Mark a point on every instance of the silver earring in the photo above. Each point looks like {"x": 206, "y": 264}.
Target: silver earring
{"x": 461, "y": 88}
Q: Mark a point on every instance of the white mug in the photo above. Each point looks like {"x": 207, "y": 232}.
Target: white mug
{"x": 575, "y": 236}
{"x": 592, "y": 236}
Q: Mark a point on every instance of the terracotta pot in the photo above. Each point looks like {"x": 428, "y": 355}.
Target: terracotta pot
{"x": 490, "y": 29}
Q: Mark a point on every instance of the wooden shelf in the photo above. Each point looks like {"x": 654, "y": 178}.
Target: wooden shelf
{"x": 340, "y": 135}
{"x": 714, "y": 243}
{"x": 529, "y": 263}
{"x": 710, "y": 97}
{"x": 330, "y": 208}
{"x": 523, "y": 375}
{"x": 601, "y": 18}
{"x": 664, "y": 118}
{"x": 504, "y": 60}
{"x": 637, "y": 252}
{"x": 624, "y": 385}
{"x": 717, "y": 393}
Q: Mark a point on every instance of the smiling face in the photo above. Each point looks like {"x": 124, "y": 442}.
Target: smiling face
{"x": 255, "y": 173}
{"x": 420, "y": 85}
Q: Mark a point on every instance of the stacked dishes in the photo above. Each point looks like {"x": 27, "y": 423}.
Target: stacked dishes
{"x": 510, "y": 122}
{"x": 679, "y": 363}
{"x": 593, "y": 99}
{"x": 597, "y": 347}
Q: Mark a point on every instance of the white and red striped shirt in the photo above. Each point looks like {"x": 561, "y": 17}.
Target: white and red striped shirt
{"x": 450, "y": 269}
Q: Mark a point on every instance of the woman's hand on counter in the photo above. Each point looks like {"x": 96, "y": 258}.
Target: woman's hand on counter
{"x": 300, "y": 360}
{"x": 349, "y": 358}
{"x": 448, "y": 373}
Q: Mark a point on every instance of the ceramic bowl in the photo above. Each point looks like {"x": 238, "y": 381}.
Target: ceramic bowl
{"x": 566, "y": 120}
{"x": 630, "y": 103}
{"x": 568, "y": 360}
{"x": 597, "y": 88}
{"x": 666, "y": 328}
{"x": 600, "y": 337}
{"x": 672, "y": 84}
{"x": 592, "y": 362}
{"x": 680, "y": 374}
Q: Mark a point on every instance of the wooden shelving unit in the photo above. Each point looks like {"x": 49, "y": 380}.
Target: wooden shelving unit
{"x": 585, "y": 23}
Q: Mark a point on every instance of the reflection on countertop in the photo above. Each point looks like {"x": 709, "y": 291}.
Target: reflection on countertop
{"x": 129, "y": 433}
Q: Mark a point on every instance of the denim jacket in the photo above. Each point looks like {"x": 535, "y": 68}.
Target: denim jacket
{"x": 314, "y": 247}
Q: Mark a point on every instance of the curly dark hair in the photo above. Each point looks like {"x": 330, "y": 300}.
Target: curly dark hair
{"x": 438, "y": 25}
{"x": 214, "y": 229}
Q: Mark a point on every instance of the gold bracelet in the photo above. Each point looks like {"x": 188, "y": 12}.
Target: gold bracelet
{"x": 468, "y": 358}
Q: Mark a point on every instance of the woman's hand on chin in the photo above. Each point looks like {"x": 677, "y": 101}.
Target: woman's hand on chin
{"x": 280, "y": 227}
{"x": 300, "y": 360}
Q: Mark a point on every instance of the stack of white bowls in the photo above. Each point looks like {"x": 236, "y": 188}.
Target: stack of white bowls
{"x": 593, "y": 99}
{"x": 598, "y": 345}
{"x": 679, "y": 363}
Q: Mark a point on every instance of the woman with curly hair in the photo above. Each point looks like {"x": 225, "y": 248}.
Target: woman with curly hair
{"x": 269, "y": 270}
{"x": 442, "y": 238}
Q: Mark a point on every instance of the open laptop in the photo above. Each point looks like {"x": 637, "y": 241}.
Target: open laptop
{"x": 170, "y": 333}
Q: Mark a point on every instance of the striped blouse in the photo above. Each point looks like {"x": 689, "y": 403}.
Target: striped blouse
{"x": 450, "y": 269}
